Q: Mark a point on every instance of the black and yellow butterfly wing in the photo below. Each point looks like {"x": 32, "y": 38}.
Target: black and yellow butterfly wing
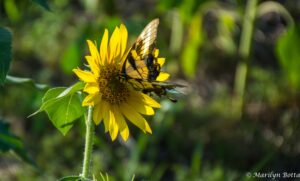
{"x": 140, "y": 67}
{"x": 140, "y": 62}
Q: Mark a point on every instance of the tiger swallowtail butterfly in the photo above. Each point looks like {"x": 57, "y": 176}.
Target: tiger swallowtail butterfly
{"x": 140, "y": 66}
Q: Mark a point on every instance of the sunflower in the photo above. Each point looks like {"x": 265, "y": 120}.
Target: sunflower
{"x": 114, "y": 100}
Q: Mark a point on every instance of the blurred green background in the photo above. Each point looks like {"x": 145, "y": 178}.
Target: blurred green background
{"x": 201, "y": 137}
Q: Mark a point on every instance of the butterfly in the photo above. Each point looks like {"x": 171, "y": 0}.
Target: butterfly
{"x": 141, "y": 68}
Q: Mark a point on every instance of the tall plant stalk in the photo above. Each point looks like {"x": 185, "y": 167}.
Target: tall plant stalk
{"x": 244, "y": 53}
{"x": 89, "y": 135}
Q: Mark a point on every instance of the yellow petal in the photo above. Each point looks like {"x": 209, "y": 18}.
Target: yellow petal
{"x": 90, "y": 100}
{"x": 106, "y": 118}
{"x": 123, "y": 58}
{"x": 93, "y": 64}
{"x": 125, "y": 132}
{"x": 135, "y": 118}
{"x": 94, "y": 51}
{"x": 156, "y": 52}
{"x": 91, "y": 88}
{"x": 113, "y": 126}
{"x": 140, "y": 107}
{"x": 123, "y": 36}
{"x": 138, "y": 98}
{"x": 98, "y": 114}
{"x": 85, "y": 75}
{"x": 161, "y": 61}
{"x": 121, "y": 123}
{"x": 114, "y": 45}
{"x": 103, "y": 47}
{"x": 162, "y": 76}
{"x": 149, "y": 101}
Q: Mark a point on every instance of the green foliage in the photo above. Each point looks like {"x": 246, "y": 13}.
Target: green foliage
{"x": 186, "y": 9}
{"x": 194, "y": 139}
{"x": 5, "y": 53}
{"x": 12, "y": 10}
{"x": 9, "y": 141}
{"x": 73, "y": 178}
{"x": 190, "y": 53}
{"x": 63, "y": 106}
{"x": 79, "y": 178}
{"x": 25, "y": 81}
{"x": 226, "y": 27}
{"x": 70, "y": 58}
{"x": 196, "y": 161}
{"x": 167, "y": 4}
{"x": 43, "y": 3}
{"x": 106, "y": 177}
{"x": 289, "y": 55}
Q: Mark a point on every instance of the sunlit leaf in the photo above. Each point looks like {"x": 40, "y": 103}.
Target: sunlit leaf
{"x": 106, "y": 177}
{"x": 64, "y": 111}
{"x": 226, "y": 26}
{"x": 43, "y": 3}
{"x": 190, "y": 53}
{"x": 70, "y": 58}
{"x": 8, "y": 141}
{"x": 186, "y": 9}
{"x": 21, "y": 80}
{"x": 63, "y": 106}
{"x": 11, "y": 10}
{"x": 5, "y": 53}
{"x": 71, "y": 90}
{"x": 289, "y": 55}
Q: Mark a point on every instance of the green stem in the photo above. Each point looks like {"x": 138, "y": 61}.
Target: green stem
{"x": 89, "y": 135}
{"x": 244, "y": 52}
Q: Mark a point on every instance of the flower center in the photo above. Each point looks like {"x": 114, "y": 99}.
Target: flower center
{"x": 113, "y": 90}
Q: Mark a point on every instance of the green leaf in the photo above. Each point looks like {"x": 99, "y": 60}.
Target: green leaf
{"x": 289, "y": 55}
{"x": 53, "y": 94}
{"x": 70, "y": 58}
{"x": 106, "y": 178}
{"x": 64, "y": 111}
{"x": 21, "y": 80}
{"x": 186, "y": 9}
{"x": 12, "y": 11}
{"x": 71, "y": 90}
{"x": 5, "y": 53}
{"x": 226, "y": 27}
{"x": 190, "y": 55}
{"x": 73, "y": 178}
{"x": 42, "y": 3}
{"x": 8, "y": 141}
{"x": 63, "y": 106}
